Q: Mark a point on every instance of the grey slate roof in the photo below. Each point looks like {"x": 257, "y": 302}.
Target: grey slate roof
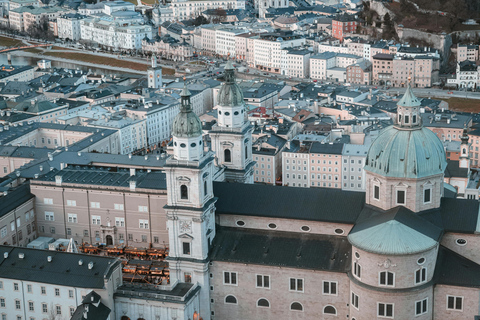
{"x": 107, "y": 177}
{"x": 453, "y": 170}
{"x": 316, "y": 204}
{"x": 63, "y": 270}
{"x": 284, "y": 249}
{"x": 91, "y": 308}
{"x": 454, "y": 270}
{"x": 14, "y": 199}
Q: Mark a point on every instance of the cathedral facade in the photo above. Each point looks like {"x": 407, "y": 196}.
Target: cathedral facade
{"x": 404, "y": 249}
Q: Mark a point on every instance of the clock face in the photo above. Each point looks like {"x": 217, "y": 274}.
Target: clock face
{"x": 185, "y": 226}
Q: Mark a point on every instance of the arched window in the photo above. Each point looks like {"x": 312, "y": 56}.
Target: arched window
{"x": 125, "y": 318}
{"x": 329, "y": 310}
{"x": 183, "y": 192}
{"x": 246, "y": 152}
{"x": 230, "y": 299}
{"x": 205, "y": 187}
{"x": 227, "y": 155}
{"x": 296, "y": 306}
{"x": 263, "y": 303}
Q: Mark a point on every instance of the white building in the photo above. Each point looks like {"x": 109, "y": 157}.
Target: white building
{"x": 298, "y": 63}
{"x": 353, "y": 161}
{"x": 69, "y": 26}
{"x": 331, "y": 65}
{"x": 40, "y": 284}
{"x": 118, "y": 5}
{"x": 183, "y": 9}
{"x": 268, "y": 50}
{"x": 106, "y": 31}
{"x": 225, "y": 41}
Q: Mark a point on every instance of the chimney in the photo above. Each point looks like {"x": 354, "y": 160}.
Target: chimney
{"x": 132, "y": 171}
{"x": 90, "y": 265}
{"x": 49, "y": 258}
{"x": 133, "y": 185}
{"x": 58, "y": 180}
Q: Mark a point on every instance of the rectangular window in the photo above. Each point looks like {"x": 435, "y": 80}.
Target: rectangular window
{"x": 31, "y": 307}
{"x": 71, "y": 203}
{"x": 454, "y": 303}
{"x": 70, "y": 293}
{"x": 186, "y": 248}
{"x": 421, "y": 307}
{"x": 96, "y": 220}
{"x": 387, "y": 278}
{"x": 400, "y": 196}
{"x": 95, "y": 205}
{"x": 427, "y": 195}
{"x": 43, "y": 290}
{"x": 29, "y": 288}
{"x": 296, "y": 284}
{"x": 143, "y": 208}
{"x": 330, "y": 287}
{"x": 72, "y": 217}
{"x": 15, "y": 286}
{"x": 354, "y": 300}
{"x": 72, "y": 311}
{"x": 385, "y": 310}
{"x": 57, "y": 292}
{"x": 120, "y": 222}
{"x": 18, "y": 305}
{"x": 144, "y": 238}
{"x": 263, "y": 281}
{"x": 47, "y": 201}
{"x": 230, "y": 278}
{"x": 58, "y": 309}
{"x": 3, "y": 232}
{"x": 143, "y": 224}
{"x": 49, "y": 216}
{"x": 357, "y": 269}
{"x": 420, "y": 275}
{"x": 118, "y": 206}
{"x": 44, "y": 308}
{"x": 2, "y": 302}
{"x": 376, "y": 192}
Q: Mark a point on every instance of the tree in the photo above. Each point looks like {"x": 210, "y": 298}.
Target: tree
{"x": 200, "y": 20}
{"x": 219, "y": 15}
{"x": 389, "y": 31}
{"x": 41, "y": 29}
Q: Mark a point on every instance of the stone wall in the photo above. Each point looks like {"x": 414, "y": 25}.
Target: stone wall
{"x": 441, "y": 42}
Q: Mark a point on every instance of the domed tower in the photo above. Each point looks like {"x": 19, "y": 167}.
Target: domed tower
{"x": 464, "y": 151}
{"x": 187, "y": 131}
{"x": 394, "y": 249}
{"x": 190, "y": 207}
{"x": 406, "y": 163}
{"x": 232, "y": 135}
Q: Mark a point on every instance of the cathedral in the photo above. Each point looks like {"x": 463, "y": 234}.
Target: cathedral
{"x": 405, "y": 249}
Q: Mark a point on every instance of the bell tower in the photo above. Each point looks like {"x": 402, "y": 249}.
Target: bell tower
{"x": 154, "y": 74}
{"x": 464, "y": 151}
{"x": 232, "y": 135}
{"x": 190, "y": 207}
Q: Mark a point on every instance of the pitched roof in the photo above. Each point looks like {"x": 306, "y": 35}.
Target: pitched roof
{"x": 316, "y": 204}
{"x": 14, "y": 199}
{"x": 285, "y": 249}
{"x": 64, "y": 268}
{"x": 455, "y": 270}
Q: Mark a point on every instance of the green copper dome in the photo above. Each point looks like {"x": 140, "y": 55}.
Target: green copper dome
{"x": 186, "y": 124}
{"x": 406, "y": 153}
{"x": 407, "y": 149}
{"x": 230, "y": 94}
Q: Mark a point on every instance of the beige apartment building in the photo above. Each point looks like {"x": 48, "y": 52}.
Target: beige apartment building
{"x": 360, "y": 73}
{"x": 467, "y": 52}
{"x": 382, "y": 69}
{"x": 267, "y": 153}
{"x": 17, "y": 217}
{"x": 102, "y": 206}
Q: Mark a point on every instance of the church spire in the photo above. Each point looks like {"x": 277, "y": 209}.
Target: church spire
{"x": 408, "y": 110}
{"x": 186, "y": 105}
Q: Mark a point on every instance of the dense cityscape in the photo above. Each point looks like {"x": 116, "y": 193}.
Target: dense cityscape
{"x": 232, "y": 159}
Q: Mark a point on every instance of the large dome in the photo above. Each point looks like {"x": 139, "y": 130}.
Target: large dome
{"x": 230, "y": 94}
{"x": 406, "y": 153}
{"x": 186, "y": 124}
